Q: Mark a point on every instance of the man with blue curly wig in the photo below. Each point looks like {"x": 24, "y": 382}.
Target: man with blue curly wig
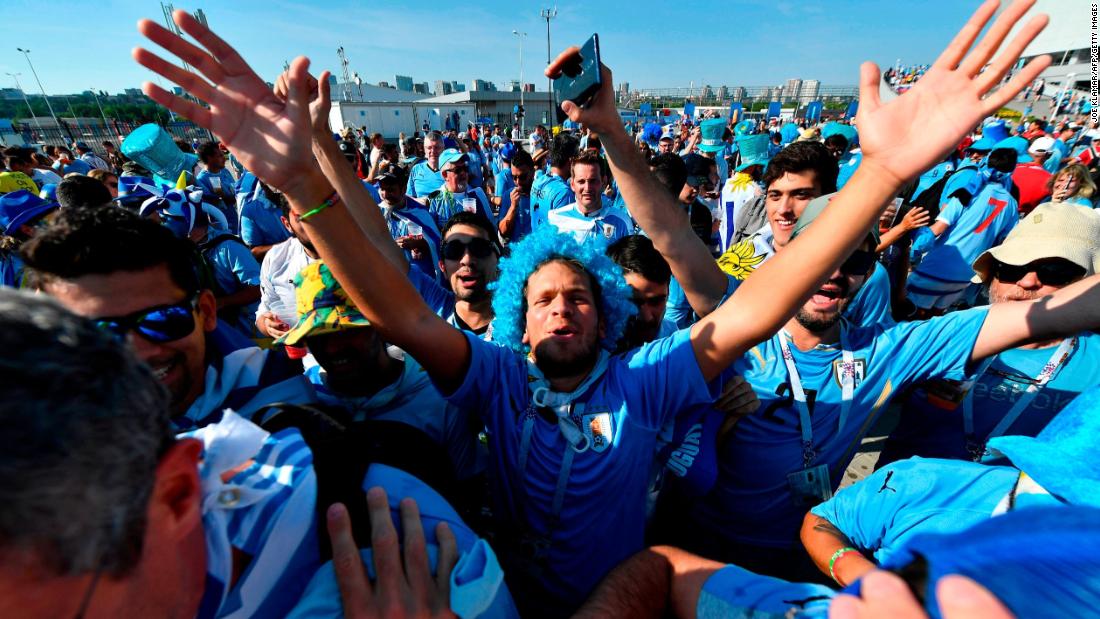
{"x": 572, "y": 428}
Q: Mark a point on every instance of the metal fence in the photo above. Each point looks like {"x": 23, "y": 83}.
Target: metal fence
{"x": 95, "y": 135}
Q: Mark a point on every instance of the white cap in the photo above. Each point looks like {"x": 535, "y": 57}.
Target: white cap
{"x": 1052, "y": 230}
{"x": 1042, "y": 144}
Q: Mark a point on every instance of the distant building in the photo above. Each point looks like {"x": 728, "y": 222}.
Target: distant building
{"x": 457, "y": 86}
{"x": 1067, "y": 38}
{"x": 421, "y": 88}
{"x": 791, "y": 90}
{"x": 513, "y": 86}
{"x": 528, "y": 87}
{"x": 404, "y": 82}
{"x": 443, "y": 88}
{"x": 133, "y": 92}
{"x": 482, "y": 86}
{"x": 624, "y": 88}
{"x": 810, "y": 90}
{"x": 737, "y": 93}
{"x": 384, "y": 84}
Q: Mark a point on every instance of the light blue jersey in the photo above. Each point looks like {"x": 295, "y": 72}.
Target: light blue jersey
{"x": 441, "y": 300}
{"x": 443, "y": 205}
{"x": 753, "y": 502}
{"x": 266, "y": 512}
{"x": 985, "y": 222}
{"x": 522, "y": 226}
{"x": 415, "y": 217}
{"x": 261, "y": 220}
{"x": 423, "y": 180}
{"x": 932, "y": 417}
{"x": 881, "y": 513}
{"x": 931, "y": 177}
{"x": 736, "y": 592}
{"x": 569, "y": 516}
{"x": 548, "y": 192}
{"x": 849, "y": 163}
{"x": 605, "y": 225}
{"x": 234, "y": 267}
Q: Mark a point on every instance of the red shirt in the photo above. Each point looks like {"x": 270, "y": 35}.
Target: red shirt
{"x": 1031, "y": 179}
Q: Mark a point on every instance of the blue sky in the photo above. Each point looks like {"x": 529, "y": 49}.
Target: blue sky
{"x": 79, "y": 45}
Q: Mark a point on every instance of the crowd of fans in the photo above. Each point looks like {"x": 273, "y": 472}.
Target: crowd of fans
{"x": 597, "y": 371}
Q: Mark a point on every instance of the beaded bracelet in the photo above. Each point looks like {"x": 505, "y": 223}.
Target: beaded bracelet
{"x": 836, "y": 556}
{"x": 329, "y": 201}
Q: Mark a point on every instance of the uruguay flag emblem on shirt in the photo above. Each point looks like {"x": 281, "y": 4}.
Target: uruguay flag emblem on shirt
{"x": 597, "y": 428}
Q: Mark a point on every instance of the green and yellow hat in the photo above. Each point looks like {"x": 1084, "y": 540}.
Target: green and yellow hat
{"x": 323, "y": 306}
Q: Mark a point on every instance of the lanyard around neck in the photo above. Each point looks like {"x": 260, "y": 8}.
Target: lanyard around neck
{"x": 847, "y": 383}
{"x": 976, "y": 446}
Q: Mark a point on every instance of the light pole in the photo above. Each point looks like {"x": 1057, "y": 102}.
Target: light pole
{"x": 549, "y": 14}
{"x": 522, "y": 119}
{"x": 27, "y": 54}
{"x": 106, "y": 126}
{"x": 15, "y": 76}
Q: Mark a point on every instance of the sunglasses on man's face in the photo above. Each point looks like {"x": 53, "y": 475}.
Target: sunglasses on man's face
{"x": 478, "y": 248}
{"x": 164, "y": 323}
{"x": 1050, "y": 273}
{"x": 459, "y": 170}
{"x": 859, "y": 263}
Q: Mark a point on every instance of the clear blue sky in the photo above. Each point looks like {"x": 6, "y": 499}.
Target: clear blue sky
{"x": 79, "y": 45}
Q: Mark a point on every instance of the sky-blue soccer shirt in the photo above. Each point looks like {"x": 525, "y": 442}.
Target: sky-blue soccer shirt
{"x": 602, "y": 517}
{"x": 881, "y": 513}
{"x": 932, "y": 422}
{"x": 751, "y": 502}
{"x": 548, "y": 192}
{"x": 423, "y": 180}
{"x": 974, "y": 228}
{"x": 604, "y": 226}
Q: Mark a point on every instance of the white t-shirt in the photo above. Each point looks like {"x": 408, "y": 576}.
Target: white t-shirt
{"x": 277, "y": 272}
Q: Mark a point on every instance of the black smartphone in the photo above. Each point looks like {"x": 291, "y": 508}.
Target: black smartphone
{"x": 580, "y": 81}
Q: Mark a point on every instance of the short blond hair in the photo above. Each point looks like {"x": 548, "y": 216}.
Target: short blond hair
{"x": 1085, "y": 187}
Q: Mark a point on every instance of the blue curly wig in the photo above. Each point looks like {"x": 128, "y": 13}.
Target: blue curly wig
{"x": 541, "y": 246}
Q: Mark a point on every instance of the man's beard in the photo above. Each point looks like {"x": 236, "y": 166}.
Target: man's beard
{"x": 552, "y": 366}
{"x": 816, "y": 322}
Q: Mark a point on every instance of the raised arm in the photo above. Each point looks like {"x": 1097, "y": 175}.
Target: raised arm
{"x": 655, "y": 210}
{"x": 1071, "y": 310}
{"x": 273, "y": 138}
{"x": 825, "y": 544}
{"x": 900, "y": 139}
{"x": 358, "y": 200}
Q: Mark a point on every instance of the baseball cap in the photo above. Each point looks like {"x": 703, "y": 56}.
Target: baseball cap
{"x": 1042, "y": 144}
{"x": 451, "y": 155}
{"x": 1053, "y": 230}
{"x": 323, "y": 306}
{"x": 814, "y": 210}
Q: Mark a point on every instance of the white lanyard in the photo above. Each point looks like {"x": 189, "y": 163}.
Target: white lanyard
{"x": 847, "y": 383}
{"x": 975, "y": 446}
{"x": 564, "y": 407}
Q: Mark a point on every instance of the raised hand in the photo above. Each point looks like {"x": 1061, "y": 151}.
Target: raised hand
{"x": 404, "y": 585}
{"x": 886, "y": 595}
{"x": 906, "y": 136}
{"x": 270, "y": 136}
{"x": 600, "y": 115}
{"x": 320, "y": 100}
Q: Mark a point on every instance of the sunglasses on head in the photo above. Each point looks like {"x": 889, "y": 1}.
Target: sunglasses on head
{"x": 164, "y": 323}
{"x": 859, "y": 263}
{"x": 478, "y": 248}
{"x": 1052, "y": 273}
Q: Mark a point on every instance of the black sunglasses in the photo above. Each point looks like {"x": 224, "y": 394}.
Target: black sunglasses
{"x": 478, "y": 248}
{"x": 458, "y": 169}
{"x": 859, "y": 263}
{"x": 1051, "y": 273}
{"x": 164, "y": 323}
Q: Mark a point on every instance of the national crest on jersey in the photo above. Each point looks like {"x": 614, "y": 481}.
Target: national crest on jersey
{"x": 598, "y": 429}
{"x": 857, "y": 370}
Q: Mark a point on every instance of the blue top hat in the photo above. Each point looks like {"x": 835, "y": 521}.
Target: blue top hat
{"x": 20, "y": 207}
{"x": 48, "y": 192}
{"x": 134, "y": 187}
{"x": 995, "y": 131}
{"x": 711, "y": 135}
{"x": 985, "y": 144}
{"x": 848, "y": 131}
{"x": 1017, "y": 144}
{"x": 753, "y": 149}
{"x": 745, "y": 127}
{"x": 153, "y": 148}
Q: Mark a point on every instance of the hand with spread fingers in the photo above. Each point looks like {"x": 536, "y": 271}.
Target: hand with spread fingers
{"x": 404, "y": 585}
{"x": 270, "y": 136}
{"x": 907, "y": 135}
